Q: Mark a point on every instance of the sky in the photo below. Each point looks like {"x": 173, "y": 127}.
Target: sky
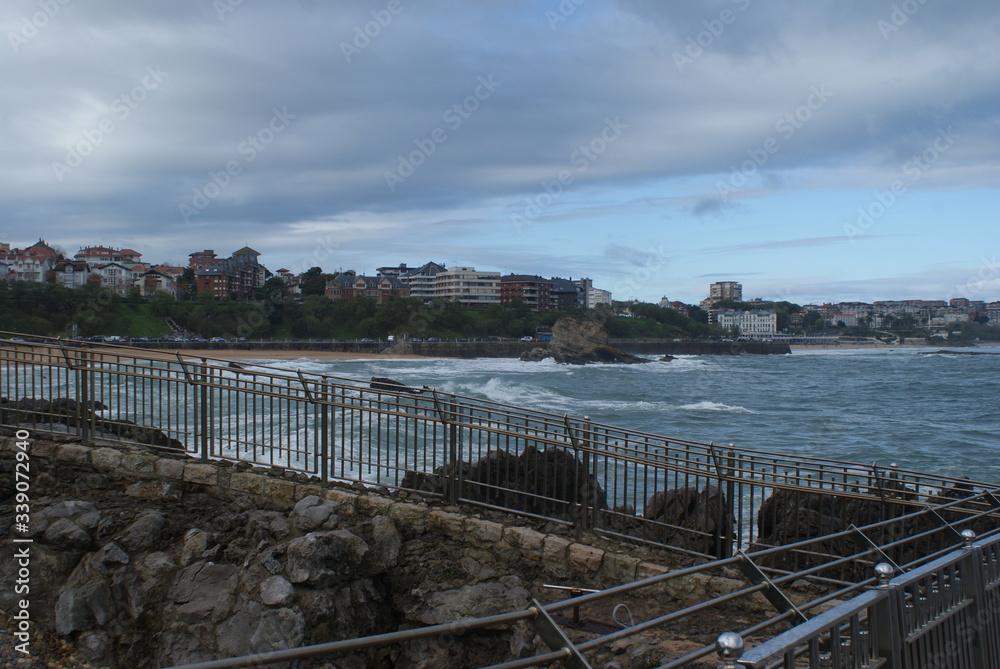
{"x": 823, "y": 151}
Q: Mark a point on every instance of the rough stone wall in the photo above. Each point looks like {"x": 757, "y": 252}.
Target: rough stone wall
{"x": 148, "y": 559}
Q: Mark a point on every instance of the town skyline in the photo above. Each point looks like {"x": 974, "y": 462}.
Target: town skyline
{"x": 831, "y": 151}
{"x": 205, "y": 258}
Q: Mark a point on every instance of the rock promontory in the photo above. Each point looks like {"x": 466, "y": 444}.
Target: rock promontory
{"x": 579, "y": 341}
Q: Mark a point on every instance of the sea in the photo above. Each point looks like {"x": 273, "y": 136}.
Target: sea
{"x": 923, "y": 410}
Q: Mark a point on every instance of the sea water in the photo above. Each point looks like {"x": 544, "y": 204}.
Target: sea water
{"x": 925, "y": 411}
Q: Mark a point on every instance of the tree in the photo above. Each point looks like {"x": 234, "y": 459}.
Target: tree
{"x": 314, "y": 281}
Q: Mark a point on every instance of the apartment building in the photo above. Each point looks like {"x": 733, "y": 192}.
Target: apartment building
{"x": 756, "y": 324}
{"x": 534, "y": 291}
{"x": 470, "y": 288}
{"x": 351, "y": 286}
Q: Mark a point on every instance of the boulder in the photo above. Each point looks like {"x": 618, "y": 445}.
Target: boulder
{"x": 550, "y": 482}
{"x": 579, "y": 341}
{"x": 689, "y": 518}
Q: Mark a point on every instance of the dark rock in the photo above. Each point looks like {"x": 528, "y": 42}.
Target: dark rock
{"x": 66, "y": 534}
{"x": 580, "y": 341}
{"x": 549, "y": 482}
{"x": 84, "y": 608}
{"x": 143, "y": 534}
{"x": 278, "y": 629}
{"x": 689, "y": 518}
{"x": 97, "y": 648}
{"x": 472, "y": 601}
{"x": 382, "y": 383}
{"x": 320, "y": 559}
{"x": 204, "y": 591}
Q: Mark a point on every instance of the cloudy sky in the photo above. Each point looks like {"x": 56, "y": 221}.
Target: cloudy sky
{"x": 829, "y": 150}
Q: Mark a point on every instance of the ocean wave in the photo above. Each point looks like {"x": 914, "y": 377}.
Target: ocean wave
{"x": 706, "y": 405}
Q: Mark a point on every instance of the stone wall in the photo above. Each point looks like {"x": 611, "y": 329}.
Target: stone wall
{"x": 145, "y": 559}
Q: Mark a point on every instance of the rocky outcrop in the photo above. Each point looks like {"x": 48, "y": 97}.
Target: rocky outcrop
{"x": 687, "y": 518}
{"x": 580, "y": 341}
{"x": 67, "y": 411}
{"x": 549, "y": 482}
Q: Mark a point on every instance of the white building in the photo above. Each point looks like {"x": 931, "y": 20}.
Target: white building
{"x": 756, "y": 324}
{"x": 421, "y": 281}
{"x": 472, "y": 289}
{"x": 597, "y": 296}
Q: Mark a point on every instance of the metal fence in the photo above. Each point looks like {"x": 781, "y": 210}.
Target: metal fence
{"x": 943, "y": 614}
{"x": 697, "y": 498}
{"x": 774, "y": 521}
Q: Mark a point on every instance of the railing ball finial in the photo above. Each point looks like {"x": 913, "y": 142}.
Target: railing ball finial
{"x": 968, "y": 536}
{"x": 729, "y": 646}
{"x": 883, "y": 574}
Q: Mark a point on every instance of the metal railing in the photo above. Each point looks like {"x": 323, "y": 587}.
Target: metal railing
{"x": 754, "y": 508}
{"x": 696, "y": 498}
{"x": 943, "y": 614}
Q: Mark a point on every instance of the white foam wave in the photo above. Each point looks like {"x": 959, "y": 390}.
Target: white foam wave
{"x": 714, "y": 406}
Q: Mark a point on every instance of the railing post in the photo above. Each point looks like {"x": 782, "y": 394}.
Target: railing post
{"x": 203, "y": 406}
{"x": 975, "y": 591}
{"x": 83, "y": 405}
{"x": 587, "y": 506}
{"x": 729, "y": 646}
{"x": 726, "y": 542}
{"x": 886, "y": 618}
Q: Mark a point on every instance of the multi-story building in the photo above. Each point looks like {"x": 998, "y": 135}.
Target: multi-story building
{"x": 72, "y": 273}
{"x": 534, "y": 291}
{"x": 31, "y": 264}
{"x": 597, "y": 296}
{"x": 103, "y": 255}
{"x": 152, "y": 282}
{"x": 756, "y": 324}
{"x": 202, "y": 259}
{"x": 725, "y": 290}
{"x": 422, "y": 281}
{"x": 567, "y": 294}
{"x": 351, "y": 286}
{"x": 292, "y": 281}
{"x": 470, "y": 288}
{"x": 237, "y": 277}
{"x": 116, "y": 276}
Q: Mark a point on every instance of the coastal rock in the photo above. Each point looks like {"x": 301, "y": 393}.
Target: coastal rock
{"x": 579, "y": 341}
{"x": 705, "y": 511}
{"x": 549, "y": 482}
